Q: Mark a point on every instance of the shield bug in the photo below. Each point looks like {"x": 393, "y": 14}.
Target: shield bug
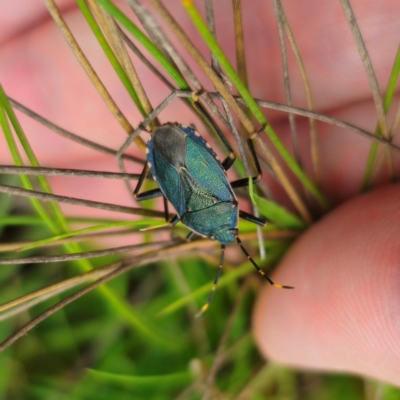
{"x": 192, "y": 178}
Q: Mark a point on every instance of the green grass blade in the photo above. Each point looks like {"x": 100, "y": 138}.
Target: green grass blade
{"x": 90, "y": 229}
{"x": 145, "y": 42}
{"x": 276, "y": 213}
{"x": 148, "y": 330}
{"x": 16, "y": 220}
{"x": 165, "y": 381}
{"x": 110, "y": 55}
{"x": 390, "y": 91}
{"x": 253, "y": 106}
{"x": 37, "y": 205}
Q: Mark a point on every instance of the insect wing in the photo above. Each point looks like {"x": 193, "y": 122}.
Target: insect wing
{"x": 167, "y": 178}
{"x": 207, "y": 171}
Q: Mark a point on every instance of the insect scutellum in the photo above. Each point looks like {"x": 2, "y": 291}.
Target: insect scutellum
{"x": 193, "y": 179}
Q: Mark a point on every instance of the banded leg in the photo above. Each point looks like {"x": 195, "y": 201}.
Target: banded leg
{"x": 260, "y": 271}
{"x": 214, "y": 286}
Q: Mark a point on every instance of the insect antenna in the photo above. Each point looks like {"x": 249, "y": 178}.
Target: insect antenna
{"x": 260, "y": 271}
{"x": 214, "y": 286}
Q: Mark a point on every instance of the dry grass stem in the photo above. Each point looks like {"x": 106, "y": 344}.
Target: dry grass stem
{"x": 315, "y": 157}
{"x": 10, "y": 169}
{"x": 94, "y": 78}
{"x": 286, "y": 79}
{"x": 69, "y": 135}
{"x": 16, "y": 191}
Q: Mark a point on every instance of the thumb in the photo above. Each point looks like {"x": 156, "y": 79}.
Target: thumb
{"x": 344, "y": 314}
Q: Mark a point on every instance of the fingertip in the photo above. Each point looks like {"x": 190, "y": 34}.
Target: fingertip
{"x": 345, "y": 312}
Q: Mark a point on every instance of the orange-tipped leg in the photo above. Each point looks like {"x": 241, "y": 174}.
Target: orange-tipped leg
{"x": 260, "y": 271}
{"x": 214, "y": 286}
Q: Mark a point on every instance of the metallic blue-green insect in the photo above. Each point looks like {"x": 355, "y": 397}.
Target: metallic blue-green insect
{"x": 192, "y": 178}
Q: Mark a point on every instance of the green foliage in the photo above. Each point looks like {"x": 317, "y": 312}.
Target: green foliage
{"x": 276, "y": 213}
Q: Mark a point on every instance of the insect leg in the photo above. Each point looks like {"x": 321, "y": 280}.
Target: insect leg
{"x": 142, "y": 178}
{"x": 190, "y": 236}
{"x": 166, "y": 209}
{"x": 260, "y": 271}
{"x": 150, "y": 194}
{"x": 230, "y": 159}
{"x": 245, "y": 181}
{"x": 214, "y": 286}
{"x": 252, "y": 218}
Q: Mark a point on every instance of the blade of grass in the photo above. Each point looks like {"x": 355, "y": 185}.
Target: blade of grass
{"x": 276, "y": 213}
{"x": 211, "y": 25}
{"x": 88, "y": 230}
{"x": 373, "y": 82}
{"x": 321, "y": 117}
{"x": 25, "y": 302}
{"x": 239, "y": 40}
{"x": 390, "y": 91}
{"x": 362, "y": 49}
{"x": 12, "y": 246}
{"x": 117, "y": 42}
{"x": 18, "y": 161}
{"x": 242, "y": 73}
{"x": 90, "y": 72}
{"x": 110, "y": 55}
{"x": 144, "y": 60}
{"x": 162, "y": 381}
{"x": 315, "y": 156}
{"x": 69, "y": 135}
{"x": 226, "y": 65}
{"x": 286, "y": 80}
{"x": 16, "y": 220}
{"x": 84, "y": 255}
{"x": 78, "y": 202}
{"x": 10, "y": 169}
{"x": 145, "y": 42}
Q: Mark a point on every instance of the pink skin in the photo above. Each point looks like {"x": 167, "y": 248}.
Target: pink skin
{"x": 344, "y": 313}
